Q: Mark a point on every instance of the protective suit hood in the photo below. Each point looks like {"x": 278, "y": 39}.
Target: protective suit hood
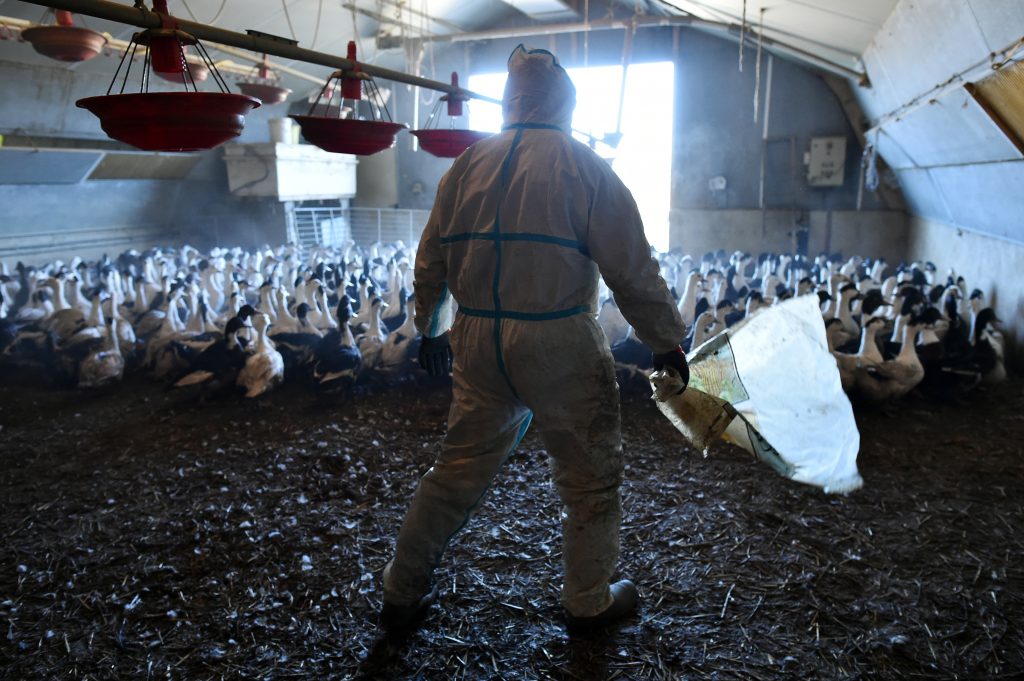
{"x": 538, "y": 90}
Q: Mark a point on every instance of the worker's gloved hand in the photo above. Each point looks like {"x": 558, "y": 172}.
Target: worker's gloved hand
{"x": 675, "y": 359}
{"x": 436, "y": 355}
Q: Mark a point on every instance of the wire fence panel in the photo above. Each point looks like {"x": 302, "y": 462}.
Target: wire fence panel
{"x": 321, "y": 226}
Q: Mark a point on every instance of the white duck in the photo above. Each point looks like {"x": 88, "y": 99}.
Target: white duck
{"x": 264, "y": 367}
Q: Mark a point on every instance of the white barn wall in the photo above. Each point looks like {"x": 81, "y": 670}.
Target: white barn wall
{"x": 993, "y": 265}
{"x": 866, "y": 233}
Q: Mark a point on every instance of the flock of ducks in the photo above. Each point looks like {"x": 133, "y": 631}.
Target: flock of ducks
{"x": 892, "y": 330}
{"x": 219, "y": 322}
{"x": 235, "y": 321}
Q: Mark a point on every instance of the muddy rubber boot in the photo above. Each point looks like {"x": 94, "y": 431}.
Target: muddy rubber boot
{"x": 401, "y": 620}
{"x": 624, "y": 604}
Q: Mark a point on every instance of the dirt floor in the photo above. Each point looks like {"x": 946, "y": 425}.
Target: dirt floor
{"x": 146, "y": 537}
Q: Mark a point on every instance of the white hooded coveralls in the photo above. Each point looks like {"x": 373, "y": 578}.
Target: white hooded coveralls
{"x": 521, "y": 226}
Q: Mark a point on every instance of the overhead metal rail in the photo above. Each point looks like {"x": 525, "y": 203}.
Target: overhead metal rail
{"x": 648, "y": 21}
{"x": 143, "y": 17}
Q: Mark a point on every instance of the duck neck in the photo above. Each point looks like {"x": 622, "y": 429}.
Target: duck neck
{"x": 261, "y": 339}
{"x": 96, "y": 313}
{"x": 844, "y": 312}
{"x": 324, "y": 315}
{"x": 141, "y": 304}
{"x": 115, "y": 342}
{"x": 374, "y": 323}
{"x": 897, "y": 329}
{"x": 908, "y": 350}
{"x": 59, "y": 299}
{"x": 345, "y": 334}
{"x": 868, "y": 347}
{"x": 688, "y": 303}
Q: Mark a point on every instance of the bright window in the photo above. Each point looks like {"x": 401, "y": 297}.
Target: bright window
{"x": 643, "y": 158}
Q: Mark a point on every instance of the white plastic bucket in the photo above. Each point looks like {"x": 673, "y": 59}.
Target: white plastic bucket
{"x": 281, "y": 130}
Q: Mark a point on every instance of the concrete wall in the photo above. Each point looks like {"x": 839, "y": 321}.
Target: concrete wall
{"x": 866, "y": 233}
{"x": 90, "y": 217}
{"x": 995, "y": 266}
{"x": 716, "y": 133}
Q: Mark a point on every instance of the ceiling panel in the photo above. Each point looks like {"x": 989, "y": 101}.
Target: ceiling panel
{"x": 922, "y": 195}
{"x": 952, "y": 130}
{"x": 1000, "y": 21}
{"x": 835, "y": 29}
{"x": 985, "y": 197}
{"x": 930, "y": 40}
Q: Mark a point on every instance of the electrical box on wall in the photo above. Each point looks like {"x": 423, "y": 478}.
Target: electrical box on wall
{"x": 826, "y": 161}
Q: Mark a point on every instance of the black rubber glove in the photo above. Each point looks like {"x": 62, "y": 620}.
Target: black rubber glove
{"x": 436, "y": 355}
{"x": 675, "y": 359}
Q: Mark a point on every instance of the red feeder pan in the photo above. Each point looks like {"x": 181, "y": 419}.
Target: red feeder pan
{"x": 65, "y": 43}
{"x": 199, "y": 73}
{"x": 448, "y": 143}
{"x": 348, "y": 136}
{"x": 171, "y": 121}
{"x": 268, "y": 94}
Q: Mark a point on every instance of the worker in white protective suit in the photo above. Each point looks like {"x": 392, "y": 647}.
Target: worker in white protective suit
{"x": 522, "y": 224}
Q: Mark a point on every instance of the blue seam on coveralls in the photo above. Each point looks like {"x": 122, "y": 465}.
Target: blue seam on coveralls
{"x": 495, "y": 292}
{"x": 524, "y": 316}
{"x": 515, "y": 236}
{"x": 522, "y": 429}
{"x": 531, "y": 126}
{"x": 435, "y": 317}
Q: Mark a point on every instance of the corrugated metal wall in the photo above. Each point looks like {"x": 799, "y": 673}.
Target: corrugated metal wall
{"x": 954, "y": 162}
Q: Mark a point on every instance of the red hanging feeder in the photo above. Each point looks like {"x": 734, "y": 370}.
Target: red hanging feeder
{"x": 448, "y": 143}
{"x": 65, "y": 41}
{"x": 199, "y": 73}
{"x": 169, "y": 121}
{"x": 350, "y": 135}
{"x": 263, "y": 85}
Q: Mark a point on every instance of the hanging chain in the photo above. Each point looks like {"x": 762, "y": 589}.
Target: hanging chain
{"x": 743, "y": 32}
{"x": 757, "y": 66}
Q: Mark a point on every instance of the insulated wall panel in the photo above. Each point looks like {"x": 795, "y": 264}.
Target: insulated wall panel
{"x": 953, "y": 130}
{"x": 928, "y": 40}
{"x": 923, "y": 197}
{"x": 45, "y": 166}
{"x": 985, "y": 197}
{"x": 1000, "y": 21}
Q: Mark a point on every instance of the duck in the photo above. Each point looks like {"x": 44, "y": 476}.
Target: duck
{"x": 688, "y": 298}
{"x": 395, "y": 314}
{"x": 893, "y": 378}
{"x": 989, "y": 348}
{"x": 66, "y": 320}
{"x": 217, "y": 367}
{"x": 611, "y": 321}
{"x": 632, "y": 352}
{"x": 700, "y": 332}
{"x": 948, "y": 374}
{"x": 264, "y": 367}
{"x": 297, "y": 345}
{"x": 104, "y": 364}
{"x": 398, "y": 352}
{"x": 868, "y": 354}
{"x": 338, "y": 361}
{"x": 372, "y": 342}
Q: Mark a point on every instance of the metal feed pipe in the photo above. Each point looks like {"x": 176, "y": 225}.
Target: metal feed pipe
{"x": 143, "y": 17}
{"x": 225, "y": 65}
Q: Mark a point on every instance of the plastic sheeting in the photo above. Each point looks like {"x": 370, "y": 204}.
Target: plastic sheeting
{"x": 771, "y": 386}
